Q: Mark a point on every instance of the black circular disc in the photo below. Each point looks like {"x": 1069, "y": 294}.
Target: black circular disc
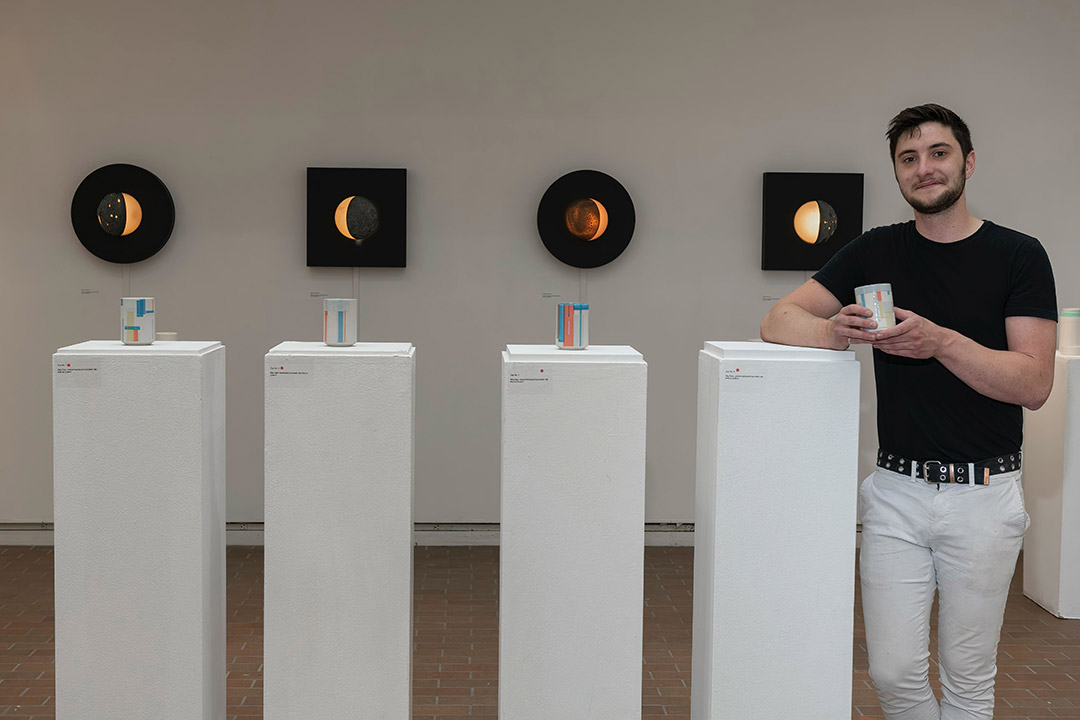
{"x": 153, "y": 232}
{"x": 571, "y": 188}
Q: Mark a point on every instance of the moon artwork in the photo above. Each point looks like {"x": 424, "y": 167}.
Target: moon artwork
{"x": 122, "y": 213}
{"x": 356, "y": 217}
{"x": 815, "y": 221}
{"x": 119, "y": 214}
{"x": 586, "y": 218}
{"x": 807, "y": 217}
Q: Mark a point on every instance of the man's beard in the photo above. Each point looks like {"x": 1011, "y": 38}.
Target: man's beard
{"x": 946, "y": 201}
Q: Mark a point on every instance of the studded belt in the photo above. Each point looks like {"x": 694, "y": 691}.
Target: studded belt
{"x": 936, "y": 471}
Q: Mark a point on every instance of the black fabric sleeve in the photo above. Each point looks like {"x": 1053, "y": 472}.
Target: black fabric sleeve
{"x": 844, "y": 272}
{"x": 1032, "y": 292}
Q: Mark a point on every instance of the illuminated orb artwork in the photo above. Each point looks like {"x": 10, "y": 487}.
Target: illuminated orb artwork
{"x": 806, "y": 218}
{"x": 119, "y": 214}
{"x": 815, "y": 221}
{"x": 356, "y": 218}
{"x": 586, "y": 218}
{"x": 122, "y": 213}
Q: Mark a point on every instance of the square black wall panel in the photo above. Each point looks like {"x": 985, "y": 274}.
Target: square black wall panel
{"x": 356, "y": 217}
{"x": 830, "y": 224}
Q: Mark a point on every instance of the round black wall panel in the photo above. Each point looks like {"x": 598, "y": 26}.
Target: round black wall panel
{"x": 586, "y": 218}
{"x": 122, "y": 213}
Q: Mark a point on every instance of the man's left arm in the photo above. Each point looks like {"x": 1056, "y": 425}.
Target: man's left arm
{"x": 1022, "y": 375}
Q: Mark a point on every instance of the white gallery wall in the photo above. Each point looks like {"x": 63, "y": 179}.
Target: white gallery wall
{"x": 485, "y": 103}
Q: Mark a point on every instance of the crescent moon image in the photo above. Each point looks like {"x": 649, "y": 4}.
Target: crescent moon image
{"x": 586, "y": 219}
{"x": 815, "y": 222}
{"x": 356, "y": 218}
{"x": 120, "y": 214}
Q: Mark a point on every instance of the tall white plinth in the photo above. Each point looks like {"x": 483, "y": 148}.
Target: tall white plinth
{"x": 1052, "y": 495}
{"x": 774, "y": 533}
{"x": 139, "y": 505}
{"x": 337, "y": 636}
{"x": 572, "y": 537}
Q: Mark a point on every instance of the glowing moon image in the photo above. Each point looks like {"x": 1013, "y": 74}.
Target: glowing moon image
{"x": 119, "y": 214}
{"x": 357, "y": 218}
{"x": 815, "y": 222}
{"x": 586, "y": 219}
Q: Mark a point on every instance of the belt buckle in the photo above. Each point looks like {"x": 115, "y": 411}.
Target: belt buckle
{"x": 926, "y": 470}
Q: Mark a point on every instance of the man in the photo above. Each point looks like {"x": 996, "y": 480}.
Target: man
{"x": 974, "y": 343}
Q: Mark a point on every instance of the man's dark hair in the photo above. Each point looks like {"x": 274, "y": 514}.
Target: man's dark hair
{"x": 912, "y": 117}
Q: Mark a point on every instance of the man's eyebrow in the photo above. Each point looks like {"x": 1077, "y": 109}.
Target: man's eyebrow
{"x": 941, "y": 144}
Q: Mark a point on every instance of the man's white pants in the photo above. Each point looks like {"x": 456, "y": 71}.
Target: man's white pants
{"x": 961, "y": 540}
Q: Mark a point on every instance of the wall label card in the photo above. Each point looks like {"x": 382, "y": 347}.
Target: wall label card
{"x": 289, "y": 372}
{"x": 77, "y": 373}
{"x": 740, "y": 376}
{"x": 531, "y": 379}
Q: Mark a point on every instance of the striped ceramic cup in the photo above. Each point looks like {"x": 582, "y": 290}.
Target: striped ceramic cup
{"x": 137, "y": 320}
{"x": 1069, "y": 332}
{"x": 339, "y": 321}
{"x": 572, "y": 329}
{"x": 879, "y": 299}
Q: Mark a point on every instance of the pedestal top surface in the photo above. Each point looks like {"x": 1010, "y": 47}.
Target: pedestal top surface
{"x": 774, "y": 351}
{"x": 159, "y": 347}
{"x": 593, "y": 353}
{"x": 321, "y": 348}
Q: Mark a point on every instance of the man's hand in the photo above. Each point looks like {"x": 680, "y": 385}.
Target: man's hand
{"x": 914, "y": 336}
{"x": 847, "y": 327}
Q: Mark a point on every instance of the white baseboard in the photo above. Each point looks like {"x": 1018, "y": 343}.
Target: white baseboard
{"x": 26, "y": 537}
{"x": 659, "y": 538}
{"x": 245, "y": 537}
{"x": 455, "y": 534}
{"x": 427, "y": 534}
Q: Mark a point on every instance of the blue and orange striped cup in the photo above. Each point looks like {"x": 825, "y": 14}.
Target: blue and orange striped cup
{"x": 572, "y": 329}
{"x": 878, "y": 298}
{"x": 339, "y": 321}
{"x": 137, "y": 320}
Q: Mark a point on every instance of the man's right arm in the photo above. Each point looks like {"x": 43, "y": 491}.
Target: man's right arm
{"x": 805, "y": 317}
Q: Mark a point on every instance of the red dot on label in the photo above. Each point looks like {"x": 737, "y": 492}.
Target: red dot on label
{"x": 69, "y": 364}
{"x": 736, "y": 369}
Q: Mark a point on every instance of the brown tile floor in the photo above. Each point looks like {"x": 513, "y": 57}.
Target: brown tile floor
{"x": 455, "y": 673}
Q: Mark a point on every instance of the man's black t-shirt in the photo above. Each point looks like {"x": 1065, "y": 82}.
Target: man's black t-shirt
{"x": 924, "y": 411}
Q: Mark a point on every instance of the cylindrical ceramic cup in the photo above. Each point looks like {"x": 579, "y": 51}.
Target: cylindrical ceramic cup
{"x": 572, "y": 326}
{"x": 137, "y": 320}
{"x": 877, "y": 297}
{"x": 339, "y": 321}
{"x": 1069, "y": 332}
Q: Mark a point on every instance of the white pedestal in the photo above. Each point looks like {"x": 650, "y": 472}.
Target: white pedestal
{"x": 572, "y": 533}
{"x": 339, "y": 557}
{"x": 139, "y": 498}
{"x": 775, "y": 517}
{"x": 1052, "y": 495}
